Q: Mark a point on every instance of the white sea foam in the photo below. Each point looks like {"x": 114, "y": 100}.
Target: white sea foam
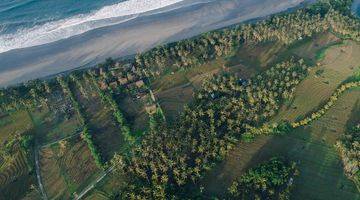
{"x": 65, "y": 28}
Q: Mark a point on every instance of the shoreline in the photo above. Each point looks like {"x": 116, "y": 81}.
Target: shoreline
{"x": 126, "y": 39}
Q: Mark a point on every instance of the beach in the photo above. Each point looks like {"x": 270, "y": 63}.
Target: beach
{"x": 136, "y": 33}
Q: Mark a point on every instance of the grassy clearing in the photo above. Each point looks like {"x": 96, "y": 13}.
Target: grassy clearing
{"x": 340, "y": 62}
{"x": 110, "y": 185}
{"x": 16, "y": 178}
{"x": 175, "y": 90}
{"x": 134, "y": 112}
{"x": 104, "y": 131}
{"x": 257, "y": 56}
{"x": 321, "y": 172}
{"x": 15, "y": 123}
{"x": 19, "y": 188}
{"x": 52, "y": 127}
{"x": 97, "y": 195}
{"x": 313, "y": 49}
{"x": 56, "y": 121}
{"x": 67, "y": 168}
{"x": 16, "y": 175}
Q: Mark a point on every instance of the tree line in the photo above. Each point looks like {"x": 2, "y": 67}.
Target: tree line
{"x": 86, "y": 135}
{"x": 270, "y": 180}
{"x": 349, "y": 149}
{"x": 108, "y": 99}
{"x": 288, "y": 28}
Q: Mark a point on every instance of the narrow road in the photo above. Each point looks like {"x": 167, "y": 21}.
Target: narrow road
{"x": 92, "y": 185}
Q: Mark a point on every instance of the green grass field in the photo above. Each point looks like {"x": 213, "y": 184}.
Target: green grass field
{"x": 321, "y": 172}
{"x": 16, "y": 179}
{"x": 134, "y": 111}
{"x": 71, "y": 163}
{"x": 111, "y": 184}
{"x": 56, "y": 121}
{"x": 322, "y": 175}
{"x": 339, "y": 63}
{"x": 175, "y": 90}
{"x": 15, "y": 123}
{"x": 103, "y": 128}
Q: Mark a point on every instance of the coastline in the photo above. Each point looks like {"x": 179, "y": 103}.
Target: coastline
{"x": 166, "y": 25}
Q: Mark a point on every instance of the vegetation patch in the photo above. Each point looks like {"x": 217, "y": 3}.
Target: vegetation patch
{"x": 312, "y": 147}
{"x": 71, "y": 162}
{"x": 341, "y": 62}
{"x": 349, "y": 149}
{"x": 270, "y": 180}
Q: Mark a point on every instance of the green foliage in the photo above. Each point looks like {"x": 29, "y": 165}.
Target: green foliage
{"x": 85, "y": 131}
{"x": 27, "y": 141}
{"x": 93, "y": 150}
{"x": 324, "y": 6}
{"x": 331, "y": 15}
{"x": 330, "y": 103}
{"x": 349, "y": 148}
{"x": 270, "y": 180}
{"x": 225, "y": 109}
{"x": 107, "y": 98}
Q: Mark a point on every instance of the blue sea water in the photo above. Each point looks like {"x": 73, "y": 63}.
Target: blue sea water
{"x": 26, "y": 23}
{"x": 22, "y": 14}
{"x": 356, "y": 7}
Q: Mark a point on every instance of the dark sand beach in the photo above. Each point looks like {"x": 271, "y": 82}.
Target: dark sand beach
{"x": 173, "y": 23}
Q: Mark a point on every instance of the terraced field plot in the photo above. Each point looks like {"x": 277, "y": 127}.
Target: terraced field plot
{"x": 339, "y": 63}
{"x": 15, "y": 123}
{"x": 57, "y": 121}
{"x": 175, "y": 90}
{"x": 16, "y": 177}
{"x": 111, "y": 184}
{"x": 67, "y": 168}
{"x": 103, "y": 128}
{"x": 134, "y": 112}
{"x": 312, "y": 147}
{"x": 97, "y": 196}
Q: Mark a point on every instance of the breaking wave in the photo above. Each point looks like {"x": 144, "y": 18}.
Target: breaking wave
{"x": 75, "y": 25}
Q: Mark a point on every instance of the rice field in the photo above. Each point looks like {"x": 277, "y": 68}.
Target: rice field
{"x": 55, "y": 121}
{"x": 135, "y": 113}
{"x": 15, "y": 123}
{"x": 66, "y": 168}
{"x": 16, "y": 176}
{"x": 339, "y": 63}
{"x": 312, "y": 147}
{"x": 103, "y": 128}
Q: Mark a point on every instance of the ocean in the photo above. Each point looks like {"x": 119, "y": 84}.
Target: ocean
{"x": 27, "y": 23}
{"x": 356, "y": 7}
